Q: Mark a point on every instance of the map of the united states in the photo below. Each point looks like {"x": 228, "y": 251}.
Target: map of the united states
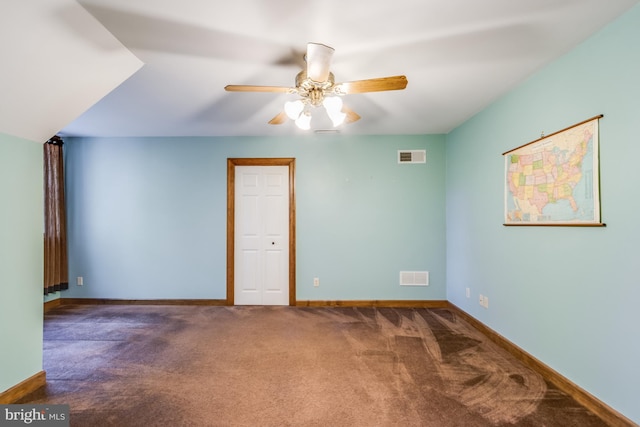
{"x": 552, "y": 179}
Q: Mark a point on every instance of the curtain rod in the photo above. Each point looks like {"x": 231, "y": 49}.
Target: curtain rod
{"x": 55, "y": 140}
{"x": 599, "y": 116}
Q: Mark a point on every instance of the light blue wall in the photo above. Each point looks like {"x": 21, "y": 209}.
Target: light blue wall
{"x": 21, "y": 260}
{"x": 568, "y": 296}
{"x": 52, "y": 296}
{"x": 147, "y": 216}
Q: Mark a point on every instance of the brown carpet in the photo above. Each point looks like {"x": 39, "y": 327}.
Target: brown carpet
{"x": 288, "y": 366}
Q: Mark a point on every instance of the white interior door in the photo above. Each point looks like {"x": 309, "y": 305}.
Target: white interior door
{"x": 261, "y": 258}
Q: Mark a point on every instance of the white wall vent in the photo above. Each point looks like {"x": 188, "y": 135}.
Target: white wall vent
{"x": 412, "y": 156}
{"x": 414, "y": 278}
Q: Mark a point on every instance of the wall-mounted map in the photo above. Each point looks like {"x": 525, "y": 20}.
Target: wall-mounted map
{"x": 554, "y": 180}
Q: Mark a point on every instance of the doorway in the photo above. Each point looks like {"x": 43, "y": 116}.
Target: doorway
{"x": 261, "y": 231}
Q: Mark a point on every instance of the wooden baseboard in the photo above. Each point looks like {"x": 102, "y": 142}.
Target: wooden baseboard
{"x": 22, "y": 389}
{"x": 50, "y": 305}
{"x": 216, "y": 302}
{"x": 595, "y": 405}
{"x": 101, "y": 301}
{"x": 374, "y": 303}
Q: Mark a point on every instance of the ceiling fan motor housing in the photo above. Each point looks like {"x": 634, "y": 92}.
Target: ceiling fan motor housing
{"x": 312, "y": 90}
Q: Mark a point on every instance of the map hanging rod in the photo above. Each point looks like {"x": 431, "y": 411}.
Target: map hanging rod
{"x": 564, "y": 224}
{"x": 599, "y": 116}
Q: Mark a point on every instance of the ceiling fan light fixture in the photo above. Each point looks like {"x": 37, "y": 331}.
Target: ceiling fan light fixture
{"x": 293, "y": 109}
{"x": 337, "y": 119}
{"x": 333, "y": 105}
{"x": 304, "y": 120}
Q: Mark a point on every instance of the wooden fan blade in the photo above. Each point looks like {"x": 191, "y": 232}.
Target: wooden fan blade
{"x": 352, "y": 116}
{"x": 279, "y": 119}
{"x": 251, "y": 88}
{"x": 372, "y": 85}
{"x": 318, "y": 61}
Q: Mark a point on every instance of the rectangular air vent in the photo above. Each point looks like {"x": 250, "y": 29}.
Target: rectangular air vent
{"x": 414, "y": 278}
{"x": 412, "y": 156}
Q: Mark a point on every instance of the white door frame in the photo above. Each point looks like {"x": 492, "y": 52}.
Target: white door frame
{"x": 231, "y": 185}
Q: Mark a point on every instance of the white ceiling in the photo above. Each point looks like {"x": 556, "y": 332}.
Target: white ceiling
{"x": 38, "y": 96}
{"x": 458, "y": 55}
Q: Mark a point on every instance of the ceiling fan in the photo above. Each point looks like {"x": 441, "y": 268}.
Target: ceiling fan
{"x": 316, "y": 87}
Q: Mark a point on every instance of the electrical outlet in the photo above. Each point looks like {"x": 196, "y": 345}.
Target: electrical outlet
{"x": 79, "y": 281}
{"x": 468, "y": 292}
{"x": 316, "y": 281}
{"x": 481, "y": 300}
